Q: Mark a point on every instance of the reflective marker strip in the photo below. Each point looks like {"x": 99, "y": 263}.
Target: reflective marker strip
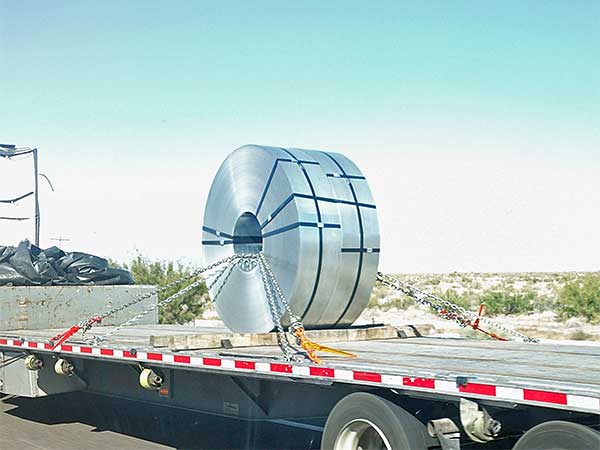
{"x": 211, "y": 362}
{"x": 321, "y": 372}
{"x": 154, "y": 356}
{"x": 228, "y": 364}
{"x": 446, "y": 386}
{"x": 509, "y": 393}
{"x": 583, "y": 402}
{"x": 181, "y": 359}
{"x": 245, "y": 365}
{"x": 477, "y": 388}
{"x": 513, "y": 394}
{"x": 302, "y": 371}
{"x": 195, "y": 361}
{"x": 428, "y": 383}
{"x": 262, "y": 367}
{"x": 544, "y": 396}
{"x": 367, "y": 376}
{"x": 282, "y": 368}
{"x": 344, "y": 375}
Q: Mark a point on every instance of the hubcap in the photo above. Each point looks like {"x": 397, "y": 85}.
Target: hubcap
{"x": 361, "y": 434}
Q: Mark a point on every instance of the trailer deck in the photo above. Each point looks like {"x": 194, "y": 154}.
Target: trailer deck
{"x": 555, "y": 376}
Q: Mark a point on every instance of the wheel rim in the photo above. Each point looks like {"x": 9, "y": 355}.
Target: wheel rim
{"x": 361, "y": 434}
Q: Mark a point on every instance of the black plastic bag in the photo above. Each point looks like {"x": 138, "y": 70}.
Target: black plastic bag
{"x": 28, "y": 265}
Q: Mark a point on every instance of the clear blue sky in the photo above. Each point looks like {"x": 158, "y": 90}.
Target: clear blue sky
{"x": 126, "y": 85}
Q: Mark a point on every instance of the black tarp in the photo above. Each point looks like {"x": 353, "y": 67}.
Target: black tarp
{"x": 28, "y": 265}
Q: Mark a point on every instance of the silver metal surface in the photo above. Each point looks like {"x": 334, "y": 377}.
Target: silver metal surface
{"x": 561, "y": 368}
{"x": 17, "y": 379}
{"x": 360, "y": 434}
{"x": 313, "y": 216}
{"x": 39, "y": 307}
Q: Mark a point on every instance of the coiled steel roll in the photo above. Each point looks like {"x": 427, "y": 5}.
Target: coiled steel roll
{"x": 312, "y": 214}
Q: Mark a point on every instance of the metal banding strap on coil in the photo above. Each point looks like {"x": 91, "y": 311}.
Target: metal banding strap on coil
{"x": 312, "y": 214}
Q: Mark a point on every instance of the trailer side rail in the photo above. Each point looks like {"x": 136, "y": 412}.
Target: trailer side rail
{"x": 457, "y": 386}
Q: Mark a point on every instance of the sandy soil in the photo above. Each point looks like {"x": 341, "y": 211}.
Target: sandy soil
{"x": 543, "y": 325}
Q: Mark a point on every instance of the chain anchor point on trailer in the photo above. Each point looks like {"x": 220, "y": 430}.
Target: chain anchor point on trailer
{"x": 475, "y": 325}
{"x": 311, "y": 347}
{"x": 84, "y": 325}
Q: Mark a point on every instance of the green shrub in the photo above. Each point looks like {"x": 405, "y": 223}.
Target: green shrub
{"x": 497, "y": 302}
{"x": 434, "y": 281}
{"x": 581, "y": 298}
{"x": 399, "y": 302}
{"x": 157, "y": 273}
{"x": 464, "y": 300}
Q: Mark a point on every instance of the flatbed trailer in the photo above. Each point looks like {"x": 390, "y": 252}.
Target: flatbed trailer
{"x": 403, "y": 390}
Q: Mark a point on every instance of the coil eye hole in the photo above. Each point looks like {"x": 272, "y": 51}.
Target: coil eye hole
{"x": 247, "y": 235}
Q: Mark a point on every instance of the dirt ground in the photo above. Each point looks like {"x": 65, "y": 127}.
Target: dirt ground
{"x": 543, "y": 325}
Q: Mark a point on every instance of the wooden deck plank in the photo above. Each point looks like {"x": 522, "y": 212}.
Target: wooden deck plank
{"x": 213, "y": 339}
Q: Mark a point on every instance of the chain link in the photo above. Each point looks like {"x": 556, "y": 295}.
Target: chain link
{"x": 227, "y": 270}
{"x": 273, "y": 292}
{"x": 272, "y": 289}
{"x": 293, "y": 318}
{"x": 228, "y": 263}
{"x": 446, "y": 309}
{"x": 278, "y": 304}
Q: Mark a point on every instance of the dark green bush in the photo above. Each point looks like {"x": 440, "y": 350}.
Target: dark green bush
{"x": 497, "y": 302}
{"x": 183, "y": 309}
{"x": 434, "y": 281}
{"x": 463, "y": 300}
{"x": 581, "y": 298}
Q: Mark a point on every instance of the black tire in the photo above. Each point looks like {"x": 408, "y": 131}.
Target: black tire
{"x": 376, "y": 423}
{"x": 559, "y": 435}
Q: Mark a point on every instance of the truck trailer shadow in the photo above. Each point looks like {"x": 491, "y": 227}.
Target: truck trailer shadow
{"x": 168, "y": 427}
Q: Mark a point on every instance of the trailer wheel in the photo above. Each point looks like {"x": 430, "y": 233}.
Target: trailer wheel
{"x": 363, "y": 421}
{"x": 559, "y": 435}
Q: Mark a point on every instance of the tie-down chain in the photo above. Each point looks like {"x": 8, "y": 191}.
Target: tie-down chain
{"x": 279, "y": 307}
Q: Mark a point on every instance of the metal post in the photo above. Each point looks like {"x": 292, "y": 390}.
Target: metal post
{"x": 37, "y": 203}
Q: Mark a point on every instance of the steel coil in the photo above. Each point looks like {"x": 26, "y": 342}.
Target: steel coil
{"x": 312, "y": 214}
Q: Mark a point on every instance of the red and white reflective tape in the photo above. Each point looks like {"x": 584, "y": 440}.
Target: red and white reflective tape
{"x": 482, "y": 390}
